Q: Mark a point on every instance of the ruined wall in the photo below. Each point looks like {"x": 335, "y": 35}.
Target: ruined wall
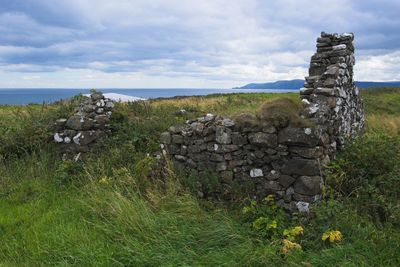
{"x": 77, "y": 134}
{"x": 287, "y": 161}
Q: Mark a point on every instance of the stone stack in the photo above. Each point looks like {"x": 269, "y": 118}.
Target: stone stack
{"x": 287, "y": 161}
{"x": 332, "y": 99}
{"x": 77, "y": 134}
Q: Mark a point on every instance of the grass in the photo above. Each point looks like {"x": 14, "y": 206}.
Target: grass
{"x": 108, "y": 212}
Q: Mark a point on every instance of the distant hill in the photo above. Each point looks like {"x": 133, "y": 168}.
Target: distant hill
{"x": 298, "y": 83}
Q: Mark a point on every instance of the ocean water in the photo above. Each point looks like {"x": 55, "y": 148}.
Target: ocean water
{"x": 16, "y": 96}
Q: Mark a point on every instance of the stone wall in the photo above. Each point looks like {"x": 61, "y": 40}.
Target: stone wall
{"x": 81, "y": 131}
{"x": 287, "y": 160}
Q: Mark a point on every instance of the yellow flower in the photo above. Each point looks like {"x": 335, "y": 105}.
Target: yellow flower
{"x": 269, "y": 199}
{"x": 334, "y": 236}
{"x": 293, "y": 232}
{"x": 289, "y": 245}
{"x": 246, "y": 209}
{"x": 272, "y": 225}
{"x": 103, "y": 180}
{"x": 259, "y": 223}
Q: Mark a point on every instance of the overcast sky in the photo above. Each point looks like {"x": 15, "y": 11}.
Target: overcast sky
{"x": 186, "y": 43}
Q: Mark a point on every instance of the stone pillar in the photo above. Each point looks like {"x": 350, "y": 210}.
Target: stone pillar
{"x": 81, "y": 131}
{"x": 332, "y": 99}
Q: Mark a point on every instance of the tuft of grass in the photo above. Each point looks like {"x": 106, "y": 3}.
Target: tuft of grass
{"x": 278, "y": 112}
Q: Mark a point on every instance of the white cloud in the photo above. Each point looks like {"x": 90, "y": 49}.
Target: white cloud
{"x": 175, "y": 43}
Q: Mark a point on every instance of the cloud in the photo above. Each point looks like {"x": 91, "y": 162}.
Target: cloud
{"x": 189, "y": 43}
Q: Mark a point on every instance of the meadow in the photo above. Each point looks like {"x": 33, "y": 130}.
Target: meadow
{"x": 110, "y": 211}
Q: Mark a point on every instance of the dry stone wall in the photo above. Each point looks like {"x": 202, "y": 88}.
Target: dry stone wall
{"x": 81, "y": 131}
{"x": 289, "y": 161}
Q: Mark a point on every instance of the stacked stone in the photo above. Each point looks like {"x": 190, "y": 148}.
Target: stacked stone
{"x": 284, "y": 162}
{"x": 287, "y": 162}
{"x": 329, "y": 92}
{"x": 77, "y": 134}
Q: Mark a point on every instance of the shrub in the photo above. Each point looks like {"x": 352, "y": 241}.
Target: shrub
{"x": 368, "y": 171}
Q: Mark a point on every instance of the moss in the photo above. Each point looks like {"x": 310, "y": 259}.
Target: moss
{"x": 278, "y": 113}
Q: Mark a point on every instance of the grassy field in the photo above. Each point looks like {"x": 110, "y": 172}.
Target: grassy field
{"x": 109, "y": 212}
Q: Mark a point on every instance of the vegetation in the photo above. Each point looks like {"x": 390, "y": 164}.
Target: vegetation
{"x": 109, "y": 212}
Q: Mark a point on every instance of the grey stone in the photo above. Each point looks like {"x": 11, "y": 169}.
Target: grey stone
{"x": 297, "y": 136}
{"x": 286, "y": 180}
{"x": 256, "y": 173}
{"x": 177, "y": 139}
{"x": 222, "y": 166}
{"x": 96, "y": 96}
{"x": 223, "y": 135}
{"x": 301, "y": 167}
{"x": 263, "y": 139}
{"x": 61, "y": 122}
{"x": 102, "y": 119}
{"x": 303, "y": 207}
{"x": 238, "y": 139}
{"x": 308, "y": 185}
{"x": 166, "y": 138}
{"x": 78, "y": 123}
{"x": 228, "y": 122}
{"x": 58, "y": 138}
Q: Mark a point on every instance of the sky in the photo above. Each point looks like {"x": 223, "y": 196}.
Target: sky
{"x": 190, "y": 43}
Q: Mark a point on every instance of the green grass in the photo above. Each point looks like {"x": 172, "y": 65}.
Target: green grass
{"x": 108, "y": 212}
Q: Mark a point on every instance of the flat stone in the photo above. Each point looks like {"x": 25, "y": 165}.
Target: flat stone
{"x": 306, "y": 91}
{"x": 61, "y": 122}
{"x": 217, "y": 157}
{"x": 223, "y": 135}
{"x": 325, "y": 91}
{"x": 96, "y": 96}
{"x": 197, "y": 127}
{"x": 303, "y": 207}
{"x": 263, "y": 139}
{"x": 305, "y": 152}
{"x": 177, "y": 139}
{"x": 58, "y": 138}
{"x": 272, "y": 186}
{"x": 238, "y": 139}
{"x": 166, "y": 138}
{"x": 256, "y": 173}
{"x": 222, "y": 166}
{"x": 102, "y": 119}
{"x": 77, "y": 122}
{"x": 286, "y": 180}
{"x": 228, "y": 122}
{"x": 297, "y": 136}
{"x": 308, "y": 185}
{"x": 301, "y": 167}
{"x": 109, "y": 104}
{"x": 88, "y": 137}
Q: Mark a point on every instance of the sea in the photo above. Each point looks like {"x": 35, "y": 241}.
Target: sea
{"x": 17, "y": 96}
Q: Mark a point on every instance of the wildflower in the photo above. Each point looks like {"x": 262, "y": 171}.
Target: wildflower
{"x": 246, "y": 209}
{"x": 259, "y": 223}
{"x": 293, "y": 232}
{"x": 334, "y": 236}
{"x": 289, "y": 245}
{"x": 269, "y": 199}
{"x": 272, "y": 225}
{"x": 103, "y": 180}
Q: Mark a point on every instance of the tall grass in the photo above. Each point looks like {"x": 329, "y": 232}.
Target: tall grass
{"x": 109, "y": 211}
